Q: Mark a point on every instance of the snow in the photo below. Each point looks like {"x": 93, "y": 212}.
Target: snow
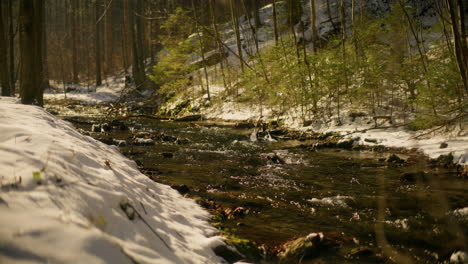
{"x": 110, "y": 91}
{"x": 67, "y": 198}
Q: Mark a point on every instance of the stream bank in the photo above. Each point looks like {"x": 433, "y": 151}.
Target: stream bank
{"x": 274, "y": 189}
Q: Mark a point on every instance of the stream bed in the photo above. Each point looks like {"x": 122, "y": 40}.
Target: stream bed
{"x": 273, "y": 191}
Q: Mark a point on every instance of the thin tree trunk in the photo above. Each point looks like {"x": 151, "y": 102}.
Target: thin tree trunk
{"x": 275, "y": 23}
{"x": 457, "y": 35}
{"x": 235, "y": 24}
{"x": 74, "y": 42}
{"x": 29, "y": 24}
{"x": 313, "y": 24}
{"x": 202, "y": 53}
{"x": 4, "y": 71}
{"x": 98, "y": 35}
{"x": 11, "y": 48}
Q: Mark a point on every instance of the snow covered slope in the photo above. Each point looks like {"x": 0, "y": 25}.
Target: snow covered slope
{"x": 67, "y": 198}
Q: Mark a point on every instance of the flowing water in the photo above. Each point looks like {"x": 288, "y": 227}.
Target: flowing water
{"x": 288, "y": 191}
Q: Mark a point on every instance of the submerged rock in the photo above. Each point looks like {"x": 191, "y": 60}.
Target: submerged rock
{"x": 394, "y": 159}
{"x": 143, "y": 141}
{"x": 338, "y": 201}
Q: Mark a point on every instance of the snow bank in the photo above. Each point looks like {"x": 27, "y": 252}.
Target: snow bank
{"x": 107, "y": 93}
{"x": 63, "y": 197}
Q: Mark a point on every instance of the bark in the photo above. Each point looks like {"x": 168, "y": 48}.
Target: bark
{"x": 275, "y": 23}
{"x": 98, "y": 35}
{"x": 11, "y": 47}
{"x": 256, "y": 14}
{"x": 4, "y": 70}
{"x": 30, "y": 22}
{"x": 235, "y": 23}
{"x": 74, "y": 42}
{"x": 136, "y": 27}
{"x": 313, "y": 24}
{"x": 459, "y": 53}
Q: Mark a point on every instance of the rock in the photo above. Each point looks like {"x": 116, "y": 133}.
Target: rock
{"x": 190, "y": 118}
{"x": 370, "y": 140}
{"x": 119, "y": 143}
{"x": 105, "y": 127}
{"x": 119, "y": 125}
{"x": 168, "y": 155}
{"x": 301, "y": 248}
{"x": 142, "y": 135}
{"x": 143, "y": 141}
{"x": 444, "y": 160}
{"x": 234, "y": 212}
{"x": 96, "y": 128}
{"x": 182, "y": 189}
{"x": 459, "y": 257}
{"x": 394, "y": 159}
{"x": 443, "y": 145}
{"x": 229, "y": 253}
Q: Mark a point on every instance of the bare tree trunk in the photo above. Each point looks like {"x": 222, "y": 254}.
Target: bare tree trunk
{"x": 275, "y": 23}
{"x": 235, "y": 24}
{"x": 11, "y": 48}
{"x": 4, "y": 71}
{"x": 97, "y": 45}
{"x": 30, "y": 20}
{"x": 202, "y": 53}
{"x": 220, "y": 48}
{"x": 313, "y": 24}
{"x": 256, "y": 14}
{"x": 136, "y": 27}
{"x": 74, "y": 42}
{"x": 458, "y": 41}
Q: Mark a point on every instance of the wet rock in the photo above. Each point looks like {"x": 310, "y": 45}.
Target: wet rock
{"x": 119, "y": 125}
{"x": 394, "y": 159}
{"x": 301, "y": 248}
{"x": 142, "y": 135}
{"x": 119, "y": 143}
{"x": 143, "y": 141}
{"x": 190, "y": 118}
{"x": 182, "y": 189}
{"x": 443, "y": 145}
{"x": 445, "y": 161}
{"x": 235, "y": 212}
{"x": 229, "y": 253}
{"x": 168, "y": 155}
{"x": 100, "y": 128}
{"x": 96, "y": 128}
{"x": 370, "y": 140}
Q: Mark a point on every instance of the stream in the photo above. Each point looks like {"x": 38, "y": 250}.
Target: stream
{"x": 273, "y": 191}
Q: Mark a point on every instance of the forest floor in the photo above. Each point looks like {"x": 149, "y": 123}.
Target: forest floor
{"x": 66, "y": 197}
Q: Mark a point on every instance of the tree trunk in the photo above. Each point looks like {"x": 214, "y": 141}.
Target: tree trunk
{"x": 97, "y": 39}
{"x": 74, "y": 42}
{"x": 136, "y": 27}
{"x": 313, "y": 24}
{"x": 256, "y": 14}
{"x": 457, "y": 35}
{"x": 4, "y": 71}
{"x": 275, "y": 23}
{"x": 235, "y": 24}
{"x": 30, "y": 22}
{"x": 11, "y": 47}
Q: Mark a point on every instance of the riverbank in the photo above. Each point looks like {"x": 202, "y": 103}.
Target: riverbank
{"x": 67, "y": 197}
